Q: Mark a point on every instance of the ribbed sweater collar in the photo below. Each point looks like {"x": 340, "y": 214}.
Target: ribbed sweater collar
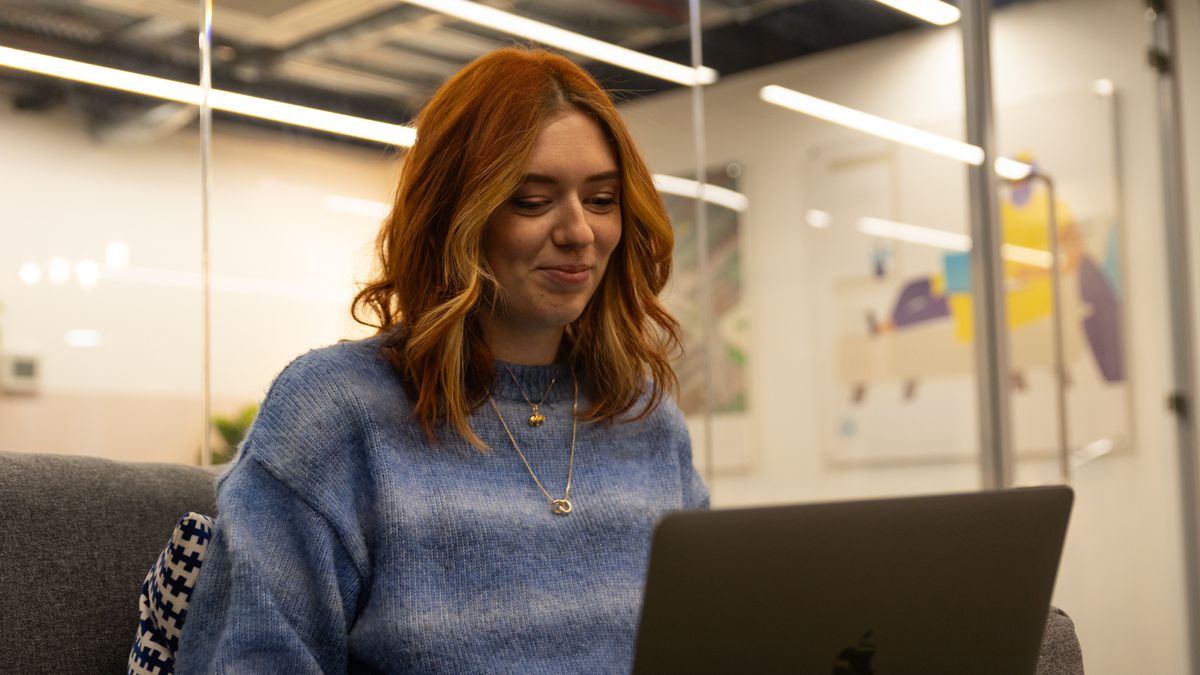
{"x": 534, "y": 380}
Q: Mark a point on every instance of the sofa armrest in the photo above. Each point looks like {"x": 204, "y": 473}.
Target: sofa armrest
{"x": 78, "y": 536}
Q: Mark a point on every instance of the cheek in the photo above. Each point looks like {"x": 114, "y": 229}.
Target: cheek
{"x": 608, "y": 236}
{"x": 503, "y": 249}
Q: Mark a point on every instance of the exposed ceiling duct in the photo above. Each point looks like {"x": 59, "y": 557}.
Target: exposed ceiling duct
{"x": 382, "y": 59}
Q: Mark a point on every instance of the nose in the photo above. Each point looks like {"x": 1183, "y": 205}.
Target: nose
{"x": 573, "y": 229}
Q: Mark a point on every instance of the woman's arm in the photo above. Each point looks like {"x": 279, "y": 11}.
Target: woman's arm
{"x": 278, "y": 591}
{"x": 281, "y": 583}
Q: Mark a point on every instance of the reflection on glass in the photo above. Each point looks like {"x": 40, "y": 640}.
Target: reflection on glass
{"x": 1079, "y": 106}
{"x": 99, "y": 275}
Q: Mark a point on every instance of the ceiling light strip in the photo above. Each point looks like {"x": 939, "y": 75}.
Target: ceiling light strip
{"x": 928, "y": 236}
{"x": 950, "y": 241}
{"x": 933, "y": 11}
{"x": 887, "y": 129}
{"x": 252, "y": 106}
{"x": 713, "y": 194}
{"x": 867, "y": 123}
{"x": 505, "y": 22}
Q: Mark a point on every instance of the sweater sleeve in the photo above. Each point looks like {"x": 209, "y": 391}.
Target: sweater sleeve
{"x": 695, "y": 492}
{"x": 277, "y": 592}
{"x": 281, "y": 583}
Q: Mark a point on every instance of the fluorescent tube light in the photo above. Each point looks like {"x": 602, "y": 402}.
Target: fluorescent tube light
{"x": 1028, "y": 256}
{"x": 713, "y": 194}
{"x": 887, "y": 129}
{"x": 88, "y": 273}
{"x": 116, "y": 255}
{"x": 818, "y": 219}
{"x": 1012, "y": 169}
{"x": 933, "y": 11}
{"x": 489, "y": 17}
{"x": 323, "y": 120}
{"x": 82, "y": 337}
{"x": 867, "y": 123}
{"x": 951, "y": 241}
{"x": 30, "y": 273}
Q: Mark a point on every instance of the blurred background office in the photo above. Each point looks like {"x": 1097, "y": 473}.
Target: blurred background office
{"x": 181, "y": 215}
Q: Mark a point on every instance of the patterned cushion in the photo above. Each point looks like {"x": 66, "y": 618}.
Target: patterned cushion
{"x": 165, "y": 596}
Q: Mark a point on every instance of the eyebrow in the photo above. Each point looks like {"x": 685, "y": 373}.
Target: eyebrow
{"x": 550, "y": 180}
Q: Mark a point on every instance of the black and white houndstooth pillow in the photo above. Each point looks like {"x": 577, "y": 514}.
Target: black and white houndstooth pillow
{"x": 165, "y": 596}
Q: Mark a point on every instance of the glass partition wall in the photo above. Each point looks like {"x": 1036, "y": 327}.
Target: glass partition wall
{"x": 846, "y": 320}
{"x": 100, "y": 284}
{"x": 1081, "y": 108}
{"x": 817, "y": 181}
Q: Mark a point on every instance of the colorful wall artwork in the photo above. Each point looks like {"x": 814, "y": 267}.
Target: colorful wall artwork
{"x": 899, "y": 293}
{"x": 730, "y": 315}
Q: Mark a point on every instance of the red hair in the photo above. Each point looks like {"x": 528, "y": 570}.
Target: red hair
{"x": 474, "y": 140}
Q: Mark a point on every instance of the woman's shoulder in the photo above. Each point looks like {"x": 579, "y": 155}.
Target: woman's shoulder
{"x": 316, "y": 418}
{"x": 664, "y": 421}
{"x": 346, "y": 361}
{"x": 330, "y": 391}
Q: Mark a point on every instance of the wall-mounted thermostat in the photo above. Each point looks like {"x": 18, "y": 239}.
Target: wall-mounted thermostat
{"x": 20, "y": 374}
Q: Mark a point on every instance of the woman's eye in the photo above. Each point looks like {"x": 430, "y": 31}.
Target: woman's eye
{"x": 528, "y": 204}
{"x": 606, "y": 202}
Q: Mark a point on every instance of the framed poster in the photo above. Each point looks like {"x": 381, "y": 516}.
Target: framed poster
{"x": 730, "y": 325}
{"x": 891, "y": 245}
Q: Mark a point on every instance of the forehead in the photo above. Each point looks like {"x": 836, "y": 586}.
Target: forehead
{"x": 569, "y": 141}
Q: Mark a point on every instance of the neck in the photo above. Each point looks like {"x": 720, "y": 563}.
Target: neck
{"x": 528, "y": 349}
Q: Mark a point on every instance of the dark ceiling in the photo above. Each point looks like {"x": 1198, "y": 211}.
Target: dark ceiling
{"x": 381, "y": 59}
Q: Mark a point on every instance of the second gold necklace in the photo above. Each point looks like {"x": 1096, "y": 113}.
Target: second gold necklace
{"x": 559, "y": 507}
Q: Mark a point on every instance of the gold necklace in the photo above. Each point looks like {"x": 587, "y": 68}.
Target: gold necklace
{"x": 536, "y": 418}
{"x": 559, "y": 507}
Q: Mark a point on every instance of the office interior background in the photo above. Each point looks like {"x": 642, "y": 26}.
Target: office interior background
{"x": 155, "y": 274}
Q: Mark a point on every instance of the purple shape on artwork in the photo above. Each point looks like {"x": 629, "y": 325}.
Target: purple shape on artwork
{"x": 917, "y": 304}
{"x": 1103, "y": 325}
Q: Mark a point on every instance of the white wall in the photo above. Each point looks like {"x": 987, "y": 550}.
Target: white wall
{"x": 284, "y": 261}
{"x": 1121, "y": 575}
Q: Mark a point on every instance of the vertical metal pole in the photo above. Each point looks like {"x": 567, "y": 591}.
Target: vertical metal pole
{"x": 706, "y": 309}
{"x": 206, "y": 8}
{"x": 1164, "y": 59}
{"x": 1060, "y": 359}
{"x": 987, "y": 271}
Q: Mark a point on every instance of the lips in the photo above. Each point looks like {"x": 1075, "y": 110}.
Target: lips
{"x": 567, "y": 274}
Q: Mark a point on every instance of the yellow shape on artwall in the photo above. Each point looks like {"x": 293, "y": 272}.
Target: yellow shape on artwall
{"x": 1028, "y": 290}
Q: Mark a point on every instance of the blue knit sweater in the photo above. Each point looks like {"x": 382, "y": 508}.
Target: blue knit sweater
{"x": 347, "y": 543}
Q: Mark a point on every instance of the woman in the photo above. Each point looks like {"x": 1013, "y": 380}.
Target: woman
{"x": 473, "y": 489}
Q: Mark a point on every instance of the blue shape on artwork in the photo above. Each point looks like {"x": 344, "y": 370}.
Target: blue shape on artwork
{"x": 848, "y": 428}
{"x": 957, "y": 267}
{"x": 879, "y": 260}
{"x": 1112, "y": 260}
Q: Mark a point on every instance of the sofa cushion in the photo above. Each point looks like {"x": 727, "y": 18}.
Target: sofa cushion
{"x": 77, "y": 535}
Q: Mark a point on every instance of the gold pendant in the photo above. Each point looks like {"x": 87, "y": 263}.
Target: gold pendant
{"x": 560, "y": 507}
{"x": 536, "y": 419}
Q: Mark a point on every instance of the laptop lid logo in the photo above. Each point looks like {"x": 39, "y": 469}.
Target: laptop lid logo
{"x": 856, "y": 659}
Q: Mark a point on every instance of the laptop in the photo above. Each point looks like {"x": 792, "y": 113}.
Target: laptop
{"x": 957, "y": 584}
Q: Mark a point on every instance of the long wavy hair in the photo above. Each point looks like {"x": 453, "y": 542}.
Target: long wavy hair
{"x": 432, "y": 282}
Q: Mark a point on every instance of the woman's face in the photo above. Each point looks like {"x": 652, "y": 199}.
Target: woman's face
{"x": 550, "y": 244}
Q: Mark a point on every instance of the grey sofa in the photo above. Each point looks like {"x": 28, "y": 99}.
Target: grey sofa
{"x": 77, "y": 535}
